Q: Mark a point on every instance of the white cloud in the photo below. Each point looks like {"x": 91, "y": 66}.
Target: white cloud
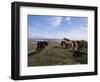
{"x": 68, "y": 18}
{"x": 75, "y": 34}
{"x": 83, "y": 28}
{"x": 80, "y": 33}
{"x": 55, "y": 21}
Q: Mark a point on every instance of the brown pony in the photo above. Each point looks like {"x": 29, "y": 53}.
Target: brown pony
{"x": 67, "y": 43}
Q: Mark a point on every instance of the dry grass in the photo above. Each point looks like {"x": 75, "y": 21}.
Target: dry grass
{"x": 54, "y": 54}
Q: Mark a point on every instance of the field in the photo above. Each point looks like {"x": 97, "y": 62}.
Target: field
{"x": 55, "y": 54}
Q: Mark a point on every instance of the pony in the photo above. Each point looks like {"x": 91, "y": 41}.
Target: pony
{"x": 41, "y": 45}
{"x": 82, "y": 44}
{"x": 67, "y": 43}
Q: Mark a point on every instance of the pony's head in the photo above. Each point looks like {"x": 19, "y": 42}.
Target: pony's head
{"x": 66, "y": 39}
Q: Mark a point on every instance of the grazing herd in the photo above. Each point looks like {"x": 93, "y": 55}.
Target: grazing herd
{"x": 74, "y": 44}
{"x": 66, "y": 43}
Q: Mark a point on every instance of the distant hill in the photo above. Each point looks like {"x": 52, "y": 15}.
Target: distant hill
{"x": 44, "y": 39}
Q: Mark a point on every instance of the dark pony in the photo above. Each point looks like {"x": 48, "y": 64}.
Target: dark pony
{"x": 41, "y": 45}
{"x": 83, "y": 44}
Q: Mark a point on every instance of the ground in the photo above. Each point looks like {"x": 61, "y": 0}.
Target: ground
{"x": 55, "y": 54}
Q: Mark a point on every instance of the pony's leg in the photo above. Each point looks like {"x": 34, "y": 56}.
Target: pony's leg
{"x": 72, "y": 46}
{"x": 37, "y": 49}
{"x": 66, "y": 46}
{"x": 76, "y": 46}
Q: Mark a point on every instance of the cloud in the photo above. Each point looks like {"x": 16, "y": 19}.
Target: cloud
{"x": 36, "y": 31}
{"x": 75, "y": 34}
{"x": 68, "y": 18}
{"x": 83, "y": 28}
{"x": 55, "y": 21}
{"x": 80, "y": 33}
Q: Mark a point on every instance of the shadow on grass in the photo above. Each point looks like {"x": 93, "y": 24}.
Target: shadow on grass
{"x": 80, "y": 57}
{"x": 77, "y": 53}
{"x": 35, "y": 52}
{"x": 32, "y": 53}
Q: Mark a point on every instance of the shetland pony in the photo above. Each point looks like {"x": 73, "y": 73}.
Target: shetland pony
{"x": 74, "y": 44}
{"x": 41, "y": 45}
{"x": 67, "y": 43}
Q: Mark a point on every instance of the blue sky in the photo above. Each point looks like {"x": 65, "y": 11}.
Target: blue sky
{"x": 57, "y": 27}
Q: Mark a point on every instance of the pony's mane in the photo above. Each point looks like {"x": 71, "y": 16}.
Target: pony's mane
{"x": 66, "y": 39}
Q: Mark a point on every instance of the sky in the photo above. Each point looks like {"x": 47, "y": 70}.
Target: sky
{"x": 57, "y": 27}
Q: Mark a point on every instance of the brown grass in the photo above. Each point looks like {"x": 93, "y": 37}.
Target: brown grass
{"x": 54, "y": 54}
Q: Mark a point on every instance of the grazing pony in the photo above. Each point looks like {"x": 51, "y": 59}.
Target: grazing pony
{"x": 82, "y": 44}
{"x": 67, "y": 43}
{"x": 41, "y": 45}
